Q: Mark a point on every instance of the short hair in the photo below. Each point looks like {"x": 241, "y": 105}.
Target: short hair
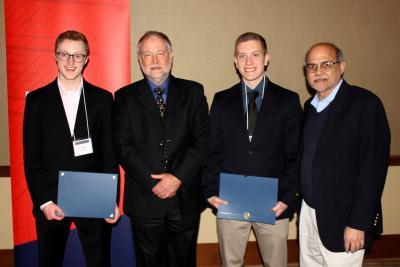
{"x": 338, "y": 51}
{"x": 149, "y": 34}
{"x": 249, "y": 36}
{"x": 74, "y": 36}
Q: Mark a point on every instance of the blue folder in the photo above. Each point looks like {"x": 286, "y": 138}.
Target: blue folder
{"x": 250, "y": 198}
{"x": 87, "y": 194}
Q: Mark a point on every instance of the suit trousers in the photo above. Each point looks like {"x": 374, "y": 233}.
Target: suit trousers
{"x": 169, "y": 241}
{"x": 313, "y": 253}
{"x": 272, "y": 241}
{"x": 94, "y": 234}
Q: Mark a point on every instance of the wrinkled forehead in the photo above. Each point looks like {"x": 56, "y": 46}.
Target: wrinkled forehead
{"x": 153, "y": 42}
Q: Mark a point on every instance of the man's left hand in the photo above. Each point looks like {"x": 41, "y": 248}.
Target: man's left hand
{"x": 117, "y": 214}
{"x": 279, "y": 208}
{"x": 353, "y": 239}
{"x": 167, "y": 186}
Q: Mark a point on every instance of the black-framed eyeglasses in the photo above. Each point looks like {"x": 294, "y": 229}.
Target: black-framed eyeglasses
{"x": 64, "y": 56}
{"x": 324, "y": 66}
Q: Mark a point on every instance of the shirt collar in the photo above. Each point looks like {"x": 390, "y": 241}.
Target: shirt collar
{"x": 259, "y": 88}
{"x": 321, "y": 104}
{"x": 164, "y": 85}
{"x": 64, "y": 92}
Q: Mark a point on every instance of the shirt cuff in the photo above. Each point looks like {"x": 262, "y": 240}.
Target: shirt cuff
{"x": 45, "y": 204}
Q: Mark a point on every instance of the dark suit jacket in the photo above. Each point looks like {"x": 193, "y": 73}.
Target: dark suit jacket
{"x": 137, "y": 136}
{"x": 274, "y": 147}
{"x": 350, "y": 165}
{"x": 48, "y": 142}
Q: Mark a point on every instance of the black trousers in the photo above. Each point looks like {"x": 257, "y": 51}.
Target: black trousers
{"x": 166, "y": 242}
{"x": 94, "y": 234}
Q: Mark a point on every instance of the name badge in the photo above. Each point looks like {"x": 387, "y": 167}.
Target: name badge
{"x": 82, "y": 147}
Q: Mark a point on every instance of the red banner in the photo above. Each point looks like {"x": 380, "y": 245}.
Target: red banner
{"x": 31, "y": 30}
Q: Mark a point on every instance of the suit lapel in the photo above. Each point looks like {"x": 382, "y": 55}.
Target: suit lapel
{"x": 265, "y": 113}
{"x": 56, "y": 111}
{"x": 336, "y": 109}
{"x": 175, "y": 95}
{"x": 234, "y": 107}
{"x": 80, "y": 127}
{"x": 146, "y": 97}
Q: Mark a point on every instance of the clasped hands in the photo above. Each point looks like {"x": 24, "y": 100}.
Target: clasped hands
{"x": 167, "y": 185}
{"x": 279, "y": 207}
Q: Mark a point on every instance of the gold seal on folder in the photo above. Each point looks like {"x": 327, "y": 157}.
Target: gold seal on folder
{"x": 246, "y": 215}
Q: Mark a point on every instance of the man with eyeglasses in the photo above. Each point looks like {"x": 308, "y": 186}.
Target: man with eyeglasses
{"x": 160, "y": 131}
{"x": 344, "y": 160}
{"x": 55, "y": 115}
{"x": 255, "y": 131}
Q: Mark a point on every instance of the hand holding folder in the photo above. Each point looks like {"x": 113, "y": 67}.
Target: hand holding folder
{"x": 87, "y": 194}
{"x": 250, "y": 198}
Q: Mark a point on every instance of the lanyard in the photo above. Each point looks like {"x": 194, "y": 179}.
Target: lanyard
{"x": 86, "y": 115}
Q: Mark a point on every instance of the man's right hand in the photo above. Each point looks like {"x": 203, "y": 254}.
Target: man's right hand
{"x": 53, "y": 212}
{"x": 216, "y": 201}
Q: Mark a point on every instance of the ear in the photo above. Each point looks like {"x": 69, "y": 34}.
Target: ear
{"x": 86, "y": 60}
{"x": 266, "y": 59}
{"x": 236, "y": 63}
{"x": 342, "y": 67}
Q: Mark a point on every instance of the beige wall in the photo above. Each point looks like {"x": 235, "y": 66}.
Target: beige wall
{"x": 203, "y": 33}
{"x": 6, "y": 233}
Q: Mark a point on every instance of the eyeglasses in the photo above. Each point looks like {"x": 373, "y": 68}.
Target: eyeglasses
{"x": 158, "y": 54}
{"x": 64, "y": 56}
{"x": 324, "y": 66}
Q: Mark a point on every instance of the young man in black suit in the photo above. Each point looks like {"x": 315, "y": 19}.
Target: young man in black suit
{"x": 160, "y": 131}
{"x": 262, "y": 142}
{"x": 344, "y": 160}
{"x": 67, "y": 109}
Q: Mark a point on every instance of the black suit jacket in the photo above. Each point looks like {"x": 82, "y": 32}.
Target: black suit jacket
{"x": 48, "y": 143}
{"x": 137, "y": 136}
{"x": 274, "y": 146}
{"x": 350, "y": 166}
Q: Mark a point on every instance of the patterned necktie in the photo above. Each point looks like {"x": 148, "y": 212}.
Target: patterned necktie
{"x": 163, "y": 143}
{"x": 252, "y": 110}
{"x": 160, "y": 101}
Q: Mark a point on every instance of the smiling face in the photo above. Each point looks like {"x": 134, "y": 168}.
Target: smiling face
{"x": 324, "y": 81}
{"x": 69, "y": 71}
{"x": 250, "y": 60}
{"x": 155, "y": 58}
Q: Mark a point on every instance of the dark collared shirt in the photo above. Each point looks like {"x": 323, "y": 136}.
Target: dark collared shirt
{"x": 259, "y": 89}
{"x": 164, "y": 86}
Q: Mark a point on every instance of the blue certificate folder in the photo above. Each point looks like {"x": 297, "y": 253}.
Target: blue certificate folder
{"x": 250, "y": 198}
{"x": 87, "y": 194}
